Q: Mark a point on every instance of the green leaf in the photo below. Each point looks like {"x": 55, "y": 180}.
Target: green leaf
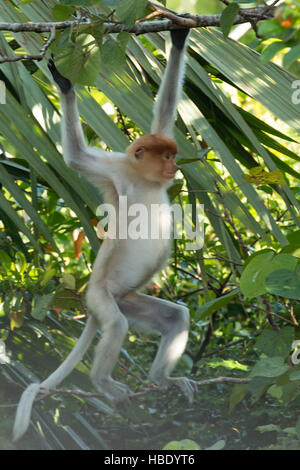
{"x": 285, "y": 283}
{"x": 23, "y": 143}
{"x": 270, "y": 367}
{"x": 260, "y": 125}
{"x": 237, "y": 394}
{"x": 113, "y": 55}
{"x": 17, "y": 221}
{"x": 258, "y": 386}
{"x": 80, "y": 60}
{"x": 174, "y": 190}
{"x": 62, "y": 12}
{"x": 228, "y": 17}
{"x": 253, "y": 277}
{"x": 49, "y": 273}
{"x": 17, "y": 193}
{"x": 131, "y": 10}
{"x": 269, "y": 27}
{"x": 295, "y": 375}
{"x": 5, "y": 260}
{"x": 69, "y": 281}
{"x": 289, "y": 392}
{"x": 293, "y": 249}
{"x": 25, "y": 2}
{"x": 227, "y": 56}
{"x": 184, "y": 161}
{"x": 272, "y": 342}
{"x": 123, "y": 39}
{"x": 268, "y": 428}
{"x": 219, "y": 445}
{"x": 271, "y": 50}
{"x": 294, "y": 237}
{"x": 213, "y": 305}
{"x": 20, "y": 262}
{"x": 291, "y": 56}
{"x": 258, "y": 176}
{"x": 185, "y": 444}
{"x": 111, "y": 3}
{"x": 65, "y": 299}
{"x": 40, "y": 306}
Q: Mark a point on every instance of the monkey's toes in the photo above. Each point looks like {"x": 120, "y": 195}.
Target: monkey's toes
{"x": 187, "y": 386}
{"x": 113, "y": 390}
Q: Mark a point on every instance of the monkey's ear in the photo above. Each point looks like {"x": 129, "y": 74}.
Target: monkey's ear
{"x": 139, "y": 153}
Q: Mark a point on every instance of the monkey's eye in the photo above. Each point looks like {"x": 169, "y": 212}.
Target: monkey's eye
{"x": 139, "y": 153}
{"x": 168, "y": 156}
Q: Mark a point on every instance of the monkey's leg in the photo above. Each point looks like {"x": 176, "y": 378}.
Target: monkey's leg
{"x": 114, "y": 328}
{"x": 172, "y": 321}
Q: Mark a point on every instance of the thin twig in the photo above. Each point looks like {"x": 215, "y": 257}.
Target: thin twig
{"x": 195, "y": 276}
{"x": 216, "y": 352}
{"x": 38, "y": 57}
{"x": 269, "y": 313}
{"x": 256, "y": 307}
{"x": 230, "y": 222}
{"x": 220, "y": 380}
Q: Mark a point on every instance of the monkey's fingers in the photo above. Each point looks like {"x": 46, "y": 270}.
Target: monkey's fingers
{"x": 178, "y": 37}
{"x": 64, "y": 83}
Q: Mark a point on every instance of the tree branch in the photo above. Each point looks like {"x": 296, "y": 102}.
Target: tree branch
{"x": 172, "y": 21}
{"x": 49, "y": 392}
{"x": 39, "y": 56}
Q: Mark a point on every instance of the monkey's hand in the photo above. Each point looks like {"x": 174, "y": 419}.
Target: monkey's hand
{"x": 178, "y": 37}
{"x": 63, "y": 83}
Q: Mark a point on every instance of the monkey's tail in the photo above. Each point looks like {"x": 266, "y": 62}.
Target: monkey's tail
{"x": 22, "y": 419}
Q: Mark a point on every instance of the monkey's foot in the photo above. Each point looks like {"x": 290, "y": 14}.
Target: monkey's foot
{"x": 113, "y": 390}
{"x": 64, "y": 83}
{"x": 187, "y": 386}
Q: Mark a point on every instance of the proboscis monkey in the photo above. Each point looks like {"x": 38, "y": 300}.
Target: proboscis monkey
{"x": 123, "y": 265}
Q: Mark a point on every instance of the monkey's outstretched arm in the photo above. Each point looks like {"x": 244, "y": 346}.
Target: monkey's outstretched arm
{"x": 93, "y": 162}
{"x": 170, "y": 87}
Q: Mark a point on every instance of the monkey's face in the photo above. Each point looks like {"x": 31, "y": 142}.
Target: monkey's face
{"x": 153, "y": 157}
{"x": 155, "y": 167}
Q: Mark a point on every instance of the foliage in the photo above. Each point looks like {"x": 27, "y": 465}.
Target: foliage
{"x": 281, "y": 35}
{"x": 238, "y": 147}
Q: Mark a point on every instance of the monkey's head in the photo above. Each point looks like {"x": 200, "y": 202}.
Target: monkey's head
{"x": 153, "y": 157}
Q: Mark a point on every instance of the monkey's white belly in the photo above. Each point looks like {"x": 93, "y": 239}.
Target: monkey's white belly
{"x": 137, "y": 262}
{"x": 140, "y": 245}
{"x": 126, "y": 265}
